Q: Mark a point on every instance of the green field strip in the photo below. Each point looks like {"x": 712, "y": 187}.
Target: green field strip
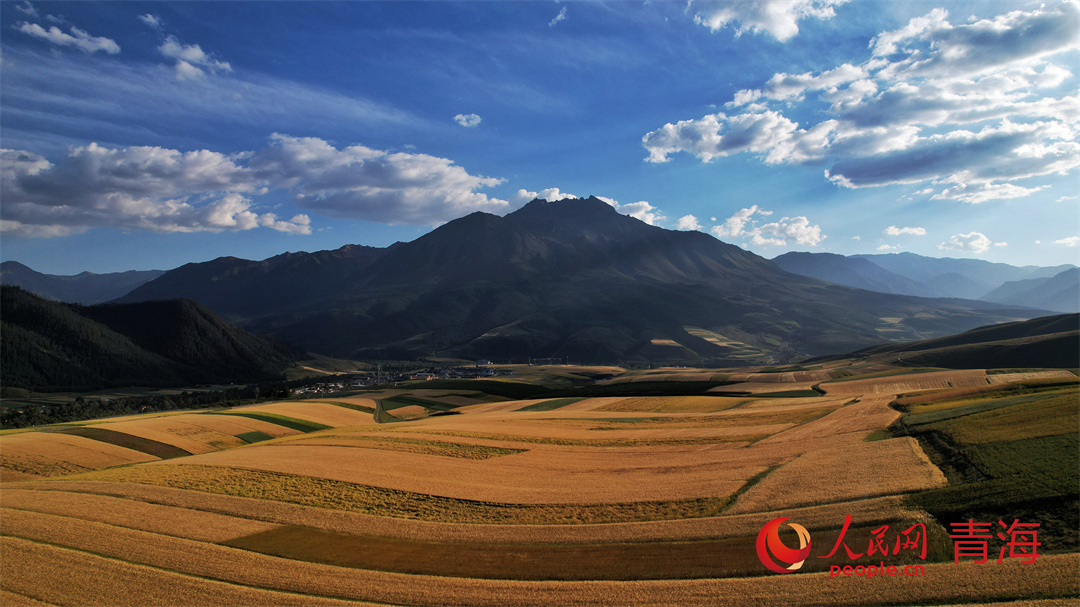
{"x": 128, "y": 441}
{"x": 982, "y": 406}
{"x": 551, "y": 405}
{"x": 397, "y": 402}
{"x": 788, "y": 394}
{"x": 254, "y": 436}
{"x": 279, "y": 420}
{"x": 380, "y": 501}
{"x": 338, "y": 403}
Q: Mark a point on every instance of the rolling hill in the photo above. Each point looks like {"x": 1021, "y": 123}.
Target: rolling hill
{"x": 572, "y": 278}
{"x": 49, "y": 346}
{"x": 1052, "y": 341}
{"x": 85, "y": 288}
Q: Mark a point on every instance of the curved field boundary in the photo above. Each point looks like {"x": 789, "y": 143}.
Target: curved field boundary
{"x": 410, "y": 445}
{"x": 280, "y": 420}
{"x": 354, "y": 407}
{"x": 45, "y": 573}
{"x": 595, "y": 442}
{"x": 355, "y": 497}
{"x": 128, "y": 441}
{"x": 1050, "y": 576}
{"x": 155, "y": 518}
{"x": 869, "y": 510}
{"x": 551, "y": 405}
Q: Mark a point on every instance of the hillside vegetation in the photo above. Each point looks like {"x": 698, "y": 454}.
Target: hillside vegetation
{"x": 49, "y": 346}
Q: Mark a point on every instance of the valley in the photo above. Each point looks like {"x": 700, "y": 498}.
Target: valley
{"x": 458, "y": 496}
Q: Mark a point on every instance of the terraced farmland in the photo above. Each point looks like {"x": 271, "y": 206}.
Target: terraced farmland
{"x": 630, "y": 500}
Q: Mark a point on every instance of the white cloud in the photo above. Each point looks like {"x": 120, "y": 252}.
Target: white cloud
{"x": 981, "y": 192}
{"x": 560, "y": 17}
{"x": 971, "y": 108}
{"x": 973, "y": 242}
{"x": 856, "y": 237}
{"x": 780, "y": 19}
{"x": 192, "y": 62}
{"x": 895, "y": 231}
{"x": 27, "y": 9}
{"x": 357, "y": 182}
{"x": 889, "y": 247}
{"x": 164, "y": 190}
{"x": 467, "y": 120}
{"x": 78, "y": 38}
{"x": 523, "y": 196}
{"x": 787, "y": 230}
{"x": 1001, "y": 244}
{"x": 640, "y": 210}
{"x": 735, "y": 225}
{"x": 1071, "y": 241}
{"x": 688, "y": 222}
{"x": 768, "y": 133}
{"x": 151, "y": 21}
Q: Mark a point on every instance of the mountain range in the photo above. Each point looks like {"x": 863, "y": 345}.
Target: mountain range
{"x": 85, "y": 288}
{"x": 1054, "y": 288}
{"x": 568, "y": 279}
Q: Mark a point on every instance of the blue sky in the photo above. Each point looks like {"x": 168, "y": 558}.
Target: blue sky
{"x": 144, "y": 135}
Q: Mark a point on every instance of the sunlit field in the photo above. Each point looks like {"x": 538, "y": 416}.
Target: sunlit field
{"x": 482, "y": 500}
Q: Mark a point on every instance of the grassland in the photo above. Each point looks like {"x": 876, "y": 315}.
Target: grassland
{"x": 640, "y": 490}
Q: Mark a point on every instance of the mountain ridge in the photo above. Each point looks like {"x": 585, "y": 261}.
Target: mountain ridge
{"x": 83, "y": 288}
{"x": 571, "y": 278}
{"x": 50, "y": 346}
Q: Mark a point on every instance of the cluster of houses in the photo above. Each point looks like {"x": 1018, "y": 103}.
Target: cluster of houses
{"x": 480, "y": 369}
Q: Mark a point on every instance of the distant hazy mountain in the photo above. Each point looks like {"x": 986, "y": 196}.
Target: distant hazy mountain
{"x": 948, "y": 277}
{"x": 1052, "y": 341}
{"x": 1060, "y": 292}
{"x": 851, "y": 271}
{"x": 572, "y": 278}
{"x": 85, "y": 288}
{"x": 50, "y": 346}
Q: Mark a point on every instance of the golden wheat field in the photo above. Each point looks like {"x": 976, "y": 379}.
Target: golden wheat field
{"x": 626, "y": 500}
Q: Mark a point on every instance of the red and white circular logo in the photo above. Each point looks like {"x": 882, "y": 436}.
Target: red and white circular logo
{"x": 768, "y": 540}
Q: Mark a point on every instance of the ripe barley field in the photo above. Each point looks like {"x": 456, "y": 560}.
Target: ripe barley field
{"x": 631, "y": 500}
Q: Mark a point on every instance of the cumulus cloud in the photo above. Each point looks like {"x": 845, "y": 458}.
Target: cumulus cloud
{"x": 888, "y": 247}
{"x": 192, "y": 62}
{"x": 560, "y": 17}
{"x": 687, "y": 223}
{"x": 895, "y": 231}
{"x": 768, "y": 133}
{"x": 640, "y": 210}
{"x": 362, "y": 183}
{"x": 467, "y": 120}
{"x": 78, "y": 38}
{"x": 164, "y": 190}
{"x": 973, "y": 242}
{"x": 524, "y": 196}
{"x": 1071, "y": 241}
{"x": 970, "y": 108}
{"x": 787, "y": 230}
{"x": 778, "y": 18}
